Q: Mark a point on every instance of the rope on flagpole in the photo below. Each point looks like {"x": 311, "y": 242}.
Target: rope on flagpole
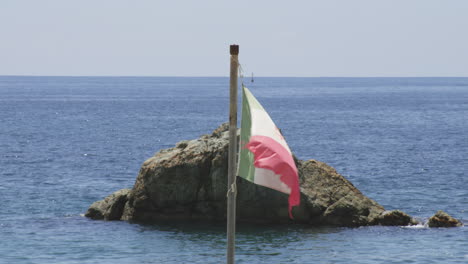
{"x": 233, "y": 186}
{"x": 232, "y": 189}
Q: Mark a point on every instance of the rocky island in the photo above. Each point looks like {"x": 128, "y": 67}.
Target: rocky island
{"x": 189, "y": 182}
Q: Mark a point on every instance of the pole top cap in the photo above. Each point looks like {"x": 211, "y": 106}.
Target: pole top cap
{"x": 234, "y": 49}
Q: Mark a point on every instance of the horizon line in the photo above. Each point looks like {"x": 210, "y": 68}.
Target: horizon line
{"x": 220, "y": 76}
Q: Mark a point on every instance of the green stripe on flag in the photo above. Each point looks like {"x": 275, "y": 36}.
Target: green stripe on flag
{"x": 246, "y": 168}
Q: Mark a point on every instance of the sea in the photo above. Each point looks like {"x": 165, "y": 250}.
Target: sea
{"x": 66, "y": 142}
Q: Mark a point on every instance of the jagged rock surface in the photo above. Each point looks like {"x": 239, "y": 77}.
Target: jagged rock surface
{"x": 189, "y": 181}
{"x": 442, "y": 219}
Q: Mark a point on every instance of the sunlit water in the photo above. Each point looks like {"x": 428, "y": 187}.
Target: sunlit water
{"x": 66, "y": 142}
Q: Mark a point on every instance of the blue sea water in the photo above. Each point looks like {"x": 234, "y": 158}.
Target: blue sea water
{"x": 66, "y": 142}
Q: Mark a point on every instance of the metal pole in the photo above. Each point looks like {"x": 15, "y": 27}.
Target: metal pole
{"x": 231, "y": 201}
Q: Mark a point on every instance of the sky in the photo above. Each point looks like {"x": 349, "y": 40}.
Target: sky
{"x": 297, "y": 38}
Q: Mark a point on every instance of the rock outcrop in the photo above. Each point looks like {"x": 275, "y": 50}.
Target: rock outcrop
{"x": 442, "y": 219}
{"x": 189, "y": 182}
{"x": 111, "y": 208}
{"x": 395, "y": 218}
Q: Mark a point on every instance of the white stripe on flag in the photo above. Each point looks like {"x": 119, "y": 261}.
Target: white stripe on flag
{"x": 262, "y": 125}
{"x": 271, "y": 180}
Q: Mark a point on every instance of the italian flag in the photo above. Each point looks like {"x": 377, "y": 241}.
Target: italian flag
{"x": 265, "y": 158}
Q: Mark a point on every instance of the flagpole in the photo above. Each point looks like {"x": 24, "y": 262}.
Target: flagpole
{"x": 231, "y": 201}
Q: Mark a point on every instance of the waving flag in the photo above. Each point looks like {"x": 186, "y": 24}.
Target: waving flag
{"x": 265, "y": 158}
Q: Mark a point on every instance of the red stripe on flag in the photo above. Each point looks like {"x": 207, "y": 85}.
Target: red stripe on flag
{"x": 271, "y": 155}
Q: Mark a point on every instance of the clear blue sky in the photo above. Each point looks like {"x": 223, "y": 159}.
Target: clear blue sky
{"x": 276, "y": 38}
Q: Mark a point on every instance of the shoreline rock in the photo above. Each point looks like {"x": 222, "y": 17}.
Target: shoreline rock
{"x": 188, "y": 182}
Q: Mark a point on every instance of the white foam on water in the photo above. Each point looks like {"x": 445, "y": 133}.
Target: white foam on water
{"x": 418, "y": 226}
